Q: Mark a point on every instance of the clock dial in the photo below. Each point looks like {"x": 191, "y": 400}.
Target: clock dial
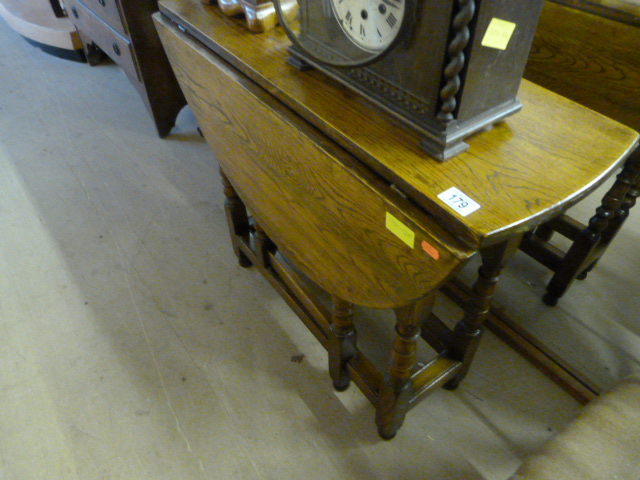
{"x": 345, "y": 33}
{"x": 371, "y": 24}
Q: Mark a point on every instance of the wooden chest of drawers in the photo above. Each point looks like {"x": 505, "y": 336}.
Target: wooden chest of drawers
{"x": 123, "y": 30}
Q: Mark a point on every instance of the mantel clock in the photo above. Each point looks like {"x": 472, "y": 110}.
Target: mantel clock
{"x": 447, "y": 68}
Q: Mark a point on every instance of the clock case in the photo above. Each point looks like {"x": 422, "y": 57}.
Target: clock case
{"x": 437, "y": 78}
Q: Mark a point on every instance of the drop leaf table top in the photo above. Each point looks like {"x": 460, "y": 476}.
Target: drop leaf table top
{"x": 524, "y": 171}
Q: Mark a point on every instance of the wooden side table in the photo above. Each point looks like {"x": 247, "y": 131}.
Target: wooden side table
{"x": 340, "y": 193}
{"x": 570, "y": 58}
{"x": 589, "y": 242}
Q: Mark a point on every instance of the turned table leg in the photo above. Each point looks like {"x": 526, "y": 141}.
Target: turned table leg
{"x": 615, "y": 224}
{"x": 468, "y": 331}
{"x": 237, "y": 220}
{"x": 342, "y": 343}
{"x": 398, "y": 388}
{"x": 603, "y": 226}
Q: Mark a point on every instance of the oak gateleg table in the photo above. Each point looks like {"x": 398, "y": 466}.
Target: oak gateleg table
{"x": 319, "y": 179}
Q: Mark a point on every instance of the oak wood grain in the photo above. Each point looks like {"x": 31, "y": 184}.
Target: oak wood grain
{"x": 323, "y": 209}
{"x": 524, "y": 171}
{"x": 590, "y": 59}
{"x": 626, "y": 11}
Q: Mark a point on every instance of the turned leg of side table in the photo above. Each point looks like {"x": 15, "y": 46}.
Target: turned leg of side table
{"x": 590, "y": 244}
{"x": 622, "y": 214}
{"x": 467, "y": 333}
{"x": 341, "y": 343}
{"x": 397, "y": 388}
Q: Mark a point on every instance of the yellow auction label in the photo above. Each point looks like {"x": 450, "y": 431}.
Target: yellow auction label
{"x": 400, "y": 230}
{"x": 498, "y": 34}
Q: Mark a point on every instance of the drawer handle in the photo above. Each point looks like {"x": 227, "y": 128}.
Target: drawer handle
{"x": 116, "y": 48}
{"x": 101, "y": 2}
{"x": 74, "y": 11}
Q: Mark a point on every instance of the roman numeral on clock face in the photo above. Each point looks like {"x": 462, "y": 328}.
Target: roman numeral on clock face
{"x": 371, "y": 25}
{"x": 391, "y": 20}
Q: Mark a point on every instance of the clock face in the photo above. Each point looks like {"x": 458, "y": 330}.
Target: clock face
{"x": 371, "y": 24}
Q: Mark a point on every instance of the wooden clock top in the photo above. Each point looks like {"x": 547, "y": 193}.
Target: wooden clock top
{"x": 522, "y": 172}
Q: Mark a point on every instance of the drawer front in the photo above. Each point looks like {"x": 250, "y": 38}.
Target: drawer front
{"x": 111, "y": 42}
{"x": 109, "y": 11}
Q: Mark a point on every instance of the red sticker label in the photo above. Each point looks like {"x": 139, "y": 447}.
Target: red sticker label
{"x": 431, "y": 250}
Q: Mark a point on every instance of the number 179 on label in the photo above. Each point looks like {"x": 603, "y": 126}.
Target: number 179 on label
{"x": 460, "y": 202}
